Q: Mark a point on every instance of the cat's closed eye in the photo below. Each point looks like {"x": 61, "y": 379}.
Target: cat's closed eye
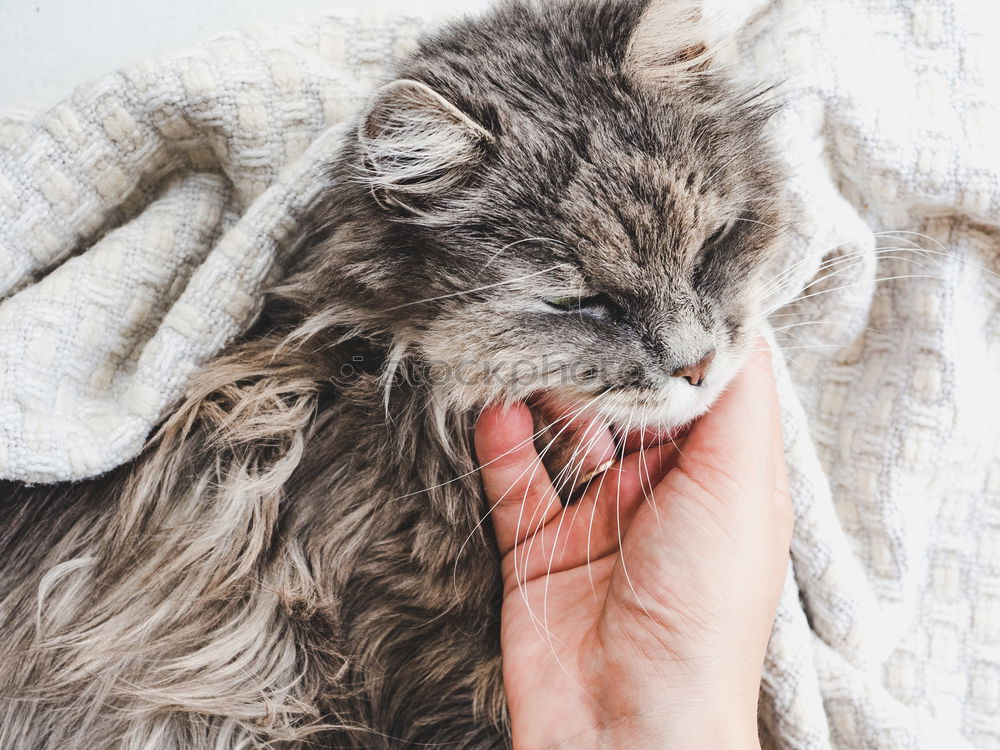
{"x": 596, "y": 305}
{"x": 717, "y": 235}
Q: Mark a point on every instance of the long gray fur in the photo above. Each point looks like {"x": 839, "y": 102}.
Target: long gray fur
{"x": 298, "y": 557}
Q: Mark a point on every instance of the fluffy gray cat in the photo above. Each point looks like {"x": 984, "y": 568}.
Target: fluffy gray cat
{"x": 297, "y": 559}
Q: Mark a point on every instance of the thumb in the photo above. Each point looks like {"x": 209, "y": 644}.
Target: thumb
{"x": 733, "y": 457}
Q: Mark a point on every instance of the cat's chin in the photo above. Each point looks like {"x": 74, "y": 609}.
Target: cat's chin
{"x": 630, "y": 410}
{"x": 634, "y": 425}
{"x": 642, "y": 416}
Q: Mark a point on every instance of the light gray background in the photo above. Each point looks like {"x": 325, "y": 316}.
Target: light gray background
{"x": 49, "y": 46}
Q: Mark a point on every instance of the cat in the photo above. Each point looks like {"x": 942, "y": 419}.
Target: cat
{"x": 297, "y": 558}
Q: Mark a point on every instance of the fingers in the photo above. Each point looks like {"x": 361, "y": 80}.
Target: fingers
{"x": 573, "y": 447}
{"x": 522, "y": 498}
{"x": 594, "y": 526}
{"x": 517, "y": 486}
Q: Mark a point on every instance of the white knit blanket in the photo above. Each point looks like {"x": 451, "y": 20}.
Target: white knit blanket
{"x": 140, "y": 219}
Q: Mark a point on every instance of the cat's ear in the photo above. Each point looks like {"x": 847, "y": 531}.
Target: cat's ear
{"x": 671, "y": 44}
{"x": 416, "y": 144}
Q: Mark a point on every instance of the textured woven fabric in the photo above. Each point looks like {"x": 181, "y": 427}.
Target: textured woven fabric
{"x": 140, "y": 219}
{"x": 889, "y": 633}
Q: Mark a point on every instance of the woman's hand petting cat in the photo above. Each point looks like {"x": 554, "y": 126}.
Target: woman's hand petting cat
{"x": 638, "y": 616}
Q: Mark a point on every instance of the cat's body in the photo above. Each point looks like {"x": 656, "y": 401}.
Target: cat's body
{"x": 319, "y": 586}
{"x": 299, "y": 555}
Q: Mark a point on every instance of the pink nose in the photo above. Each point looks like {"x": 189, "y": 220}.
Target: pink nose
{"x": 695, "y": 374}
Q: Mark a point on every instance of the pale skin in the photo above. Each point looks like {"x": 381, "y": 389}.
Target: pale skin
{"x": 642, "y": 621}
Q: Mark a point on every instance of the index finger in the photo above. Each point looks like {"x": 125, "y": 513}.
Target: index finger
{"x": 515, "y": 480}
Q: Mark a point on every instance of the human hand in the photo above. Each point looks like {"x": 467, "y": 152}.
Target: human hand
{"x": 638, "y": 616}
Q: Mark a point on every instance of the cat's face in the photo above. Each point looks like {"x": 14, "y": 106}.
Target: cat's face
{"x": 632, "y": 285}
{"x": 601, "y": 254}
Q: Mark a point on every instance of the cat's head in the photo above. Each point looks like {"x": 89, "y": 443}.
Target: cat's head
{"x": 578, "y": 211}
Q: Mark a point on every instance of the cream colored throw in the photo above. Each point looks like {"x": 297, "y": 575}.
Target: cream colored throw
{"x": 140, "y": 219}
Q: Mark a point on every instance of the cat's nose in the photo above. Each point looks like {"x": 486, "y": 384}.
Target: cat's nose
{"x": 695, "y": 373}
